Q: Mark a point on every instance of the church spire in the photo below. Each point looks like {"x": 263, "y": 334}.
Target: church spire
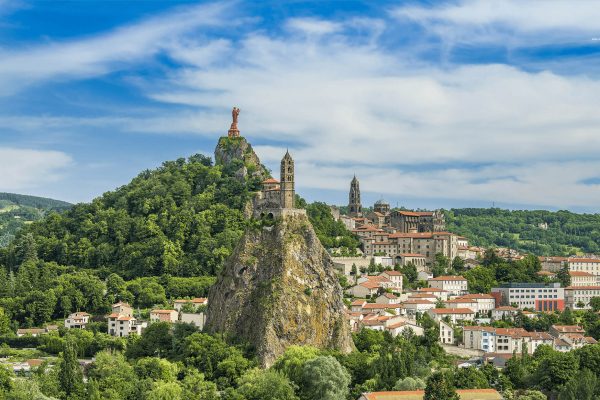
{"x": 287, "y": 189}
{"x": 354, "y": 205}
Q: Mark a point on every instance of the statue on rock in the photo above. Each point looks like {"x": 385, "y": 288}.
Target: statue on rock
{"x": 233, "y": 130}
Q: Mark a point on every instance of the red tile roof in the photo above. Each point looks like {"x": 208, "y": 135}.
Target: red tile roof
{"x": 452, "y": 311}
{"x": 448, "y": 278}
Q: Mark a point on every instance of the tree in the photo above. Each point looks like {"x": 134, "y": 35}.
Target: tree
{"x": 4, "y": 323}
{"x": 325, "y": 379}
{"x": 595, "y": 304}
{"x": 563, "y": 275}
{"x": 196, "y": 388}
{"x": 266, "y": 385}
{"x": 70, "y": 375}
{"x": 440, "y": 265}
{"x": 480, "y": 279}
{"x": 470, "y": 378}
{"x": 555, "y": 369}
{"x": 409, "y": 383}
{"x": 439, "y": 387}
{"x": 458, "y": 264}
{"x": 531, "y": 395}
{"x": 566, "y": 317}
{"x": 584, "y": 386}
{"x": 291, "y": 362}
{"x": 410, "y": 272}
{"x": 165, "y": 391}
{"x": 156, "y": 369}
{"x": 115, "y": 377}
{"x": 6, "y": 379}
{"x": 156, "y": 340}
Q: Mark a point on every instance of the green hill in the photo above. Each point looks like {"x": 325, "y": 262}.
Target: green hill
{"x": 539, "y": 232}
{"x": 181, "y": 219}
{"x": 17, "y": 210}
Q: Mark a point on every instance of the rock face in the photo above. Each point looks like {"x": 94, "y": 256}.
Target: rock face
{"x": 238, "y": 153}
{"x": 279, "y": 289}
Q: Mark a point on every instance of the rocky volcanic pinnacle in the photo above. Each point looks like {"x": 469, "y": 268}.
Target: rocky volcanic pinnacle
{"x": 279, "y": 289}
{"x": 237, "y": 150}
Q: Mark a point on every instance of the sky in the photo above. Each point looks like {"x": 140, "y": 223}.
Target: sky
{"x": 432, "y": 104}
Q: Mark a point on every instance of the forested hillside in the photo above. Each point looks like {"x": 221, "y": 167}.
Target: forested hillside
{"x": 539, "y": 232}
{"x": 17, "y": 210}
{"x": 181, "y": 219}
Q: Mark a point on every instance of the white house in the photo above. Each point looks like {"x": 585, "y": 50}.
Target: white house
{"x": 411, "y": 307}
{"x": 446, "y": 333}
{"x": 454, "y": 314}
{"x": 124, "y": 325}
{"x": 454, "y": 285}
{"x": 483, "y": 302}
{"x": 387, "y": 298}
{"x": 77, "y": 320}
{"x": 396, "y": 278}
{"x": 506, "y": 312}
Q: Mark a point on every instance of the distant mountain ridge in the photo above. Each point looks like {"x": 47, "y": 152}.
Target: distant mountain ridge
{"x": 18, "y": 210}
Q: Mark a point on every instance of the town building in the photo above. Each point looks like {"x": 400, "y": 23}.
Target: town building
{"x": 121, "y": 321}
{"x": 124, "y": 325}
{"x": 454, "y": 315}
{"x": 454, "y": 285}
{"x": 417, "y": 221}
{"x": 578, "y": 297}
{"x": 36, "y": 331}
{"x": 504, "y": 312}
{"x": 446, "y": 333}
{"x": 397, "y": 245}
{"x": 77, "y": 320}
{"x": 196, "y": 302}
{"x": 552, "y": 264}
{"x": 583, "y": 278}
{"x": 504, "y": 340}
{"x": 590, "y": 265}
{"x": 481, "y": 303}
{"x": 536, "y": 296}
{"x": 164, "y": 316}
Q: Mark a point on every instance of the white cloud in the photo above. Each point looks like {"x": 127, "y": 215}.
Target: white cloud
{"x": 344, "y": 106}
{"x": 506, "y": 23}
{"x": 522, "y": 15}
{"x": 26, "y": 168}
{"x": 103, "y": 53}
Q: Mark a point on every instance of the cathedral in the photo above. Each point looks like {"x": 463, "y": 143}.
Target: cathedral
{"x": 383, "y": 217}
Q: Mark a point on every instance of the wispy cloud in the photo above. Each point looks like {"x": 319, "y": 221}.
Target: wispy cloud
{"x": 26, "y": 168}
{"x": 103, "y": 53}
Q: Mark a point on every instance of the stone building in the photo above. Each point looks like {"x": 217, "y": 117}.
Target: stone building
{"x": 417, "y": 221}
{"x": 277, "y": 198}
{"x": 354, "y": 205}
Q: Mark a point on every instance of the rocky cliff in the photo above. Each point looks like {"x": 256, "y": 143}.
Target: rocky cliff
{"x": 279, "y": 289}
{"x": 238, "y": 153}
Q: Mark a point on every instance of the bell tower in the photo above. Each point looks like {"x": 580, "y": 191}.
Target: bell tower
{"x": 354, "y": 206}
{"x": 287, "y": 182}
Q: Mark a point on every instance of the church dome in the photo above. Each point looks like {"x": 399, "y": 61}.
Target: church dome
{"x": 381, "y": 202}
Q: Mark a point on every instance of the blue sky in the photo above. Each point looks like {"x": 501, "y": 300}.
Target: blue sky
{"x": 431, "y": 104}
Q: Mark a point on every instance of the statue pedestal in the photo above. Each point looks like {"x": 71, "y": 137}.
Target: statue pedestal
{"x": 233, "y": 131}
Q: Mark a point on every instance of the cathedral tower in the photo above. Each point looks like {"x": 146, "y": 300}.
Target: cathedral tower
{"x": 354, "y": 206}
{"x": 287, "y": 182}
